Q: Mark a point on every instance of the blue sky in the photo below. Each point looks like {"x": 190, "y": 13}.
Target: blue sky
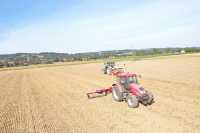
{"x": 94, "y": 25}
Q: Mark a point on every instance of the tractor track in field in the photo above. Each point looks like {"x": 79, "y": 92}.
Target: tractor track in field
{"x": 54, "y": 99}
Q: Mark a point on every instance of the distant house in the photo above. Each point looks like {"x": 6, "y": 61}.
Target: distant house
{"x": 182, "y": 51}
{"x": 127, "y": 53}
{"x": 25, "y": 64}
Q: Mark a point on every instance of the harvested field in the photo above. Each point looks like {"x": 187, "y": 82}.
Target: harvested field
{"x": 53, "y": 99}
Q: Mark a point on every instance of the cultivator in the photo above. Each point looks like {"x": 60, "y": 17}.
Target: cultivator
{"x": 99, "y": 93}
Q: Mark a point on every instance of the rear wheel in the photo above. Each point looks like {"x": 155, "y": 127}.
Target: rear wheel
{"x": 132, "y": 101}
{"x": 105, "y": 71}
{"x": 151, "y": 98}
{"x": 116, "y": 94}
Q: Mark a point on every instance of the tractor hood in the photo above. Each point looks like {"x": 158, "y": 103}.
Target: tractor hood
{"x": 136, "y": 89}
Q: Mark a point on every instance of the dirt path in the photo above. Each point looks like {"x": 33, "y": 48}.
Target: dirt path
{"x": 53, "y": 99}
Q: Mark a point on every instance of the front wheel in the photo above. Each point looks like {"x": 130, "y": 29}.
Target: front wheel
{"x": 132, "y": 101}
{"x": 116, "y": 94}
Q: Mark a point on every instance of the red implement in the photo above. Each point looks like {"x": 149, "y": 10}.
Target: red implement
{"x": 99, "y": 93}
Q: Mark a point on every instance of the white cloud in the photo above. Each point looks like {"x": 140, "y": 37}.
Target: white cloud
{"x": 159, "y": 24}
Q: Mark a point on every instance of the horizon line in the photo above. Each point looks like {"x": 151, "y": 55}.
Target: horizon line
{"x": 96, "y": 50}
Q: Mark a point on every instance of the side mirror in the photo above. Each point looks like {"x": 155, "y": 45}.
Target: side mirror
{"x": 139, "y": 76}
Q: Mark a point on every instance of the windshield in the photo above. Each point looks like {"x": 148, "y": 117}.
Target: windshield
{"x": 129, "y": 80}
{"x": 132, "y": 80}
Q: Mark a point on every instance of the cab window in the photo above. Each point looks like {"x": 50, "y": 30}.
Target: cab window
{"x": 132, "y": 80}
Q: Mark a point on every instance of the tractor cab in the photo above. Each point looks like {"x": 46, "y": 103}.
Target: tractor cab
{"x": 127, "y": 78}
{"x": 108, "y": 66}
{"x": 110, "y": 63}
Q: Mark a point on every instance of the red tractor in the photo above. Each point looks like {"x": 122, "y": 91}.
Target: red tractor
{"x": 126, "y": 89}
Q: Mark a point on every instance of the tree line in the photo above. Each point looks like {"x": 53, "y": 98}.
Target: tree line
{"x": 25, "y": 59}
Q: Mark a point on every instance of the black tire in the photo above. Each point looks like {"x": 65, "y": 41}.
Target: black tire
{"x": 151, "y": 98}
{"x": 105, "y": 71}
{"x": 116, "y": 94}
{"x": 132, "y": 101}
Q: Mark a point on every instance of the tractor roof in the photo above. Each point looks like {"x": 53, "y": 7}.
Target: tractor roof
{"x": 110, "y": 62}
{"x": 126, "y": 74}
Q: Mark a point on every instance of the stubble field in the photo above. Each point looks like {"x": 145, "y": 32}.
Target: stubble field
{"x": 53, "y": 99}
